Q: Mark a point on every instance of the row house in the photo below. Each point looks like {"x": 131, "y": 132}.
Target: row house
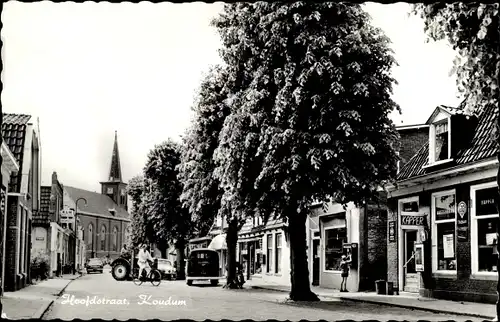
{"x": 21, "y": 135}
{"x": 442, "y": 215}
{"x": 9, "y": 168}
{"x": 53, "y": 234}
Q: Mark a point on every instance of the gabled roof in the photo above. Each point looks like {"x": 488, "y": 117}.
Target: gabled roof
{"x": 14, "y": 135}
{"x": 96, "y": 203}
{"x": 482, "y": 146}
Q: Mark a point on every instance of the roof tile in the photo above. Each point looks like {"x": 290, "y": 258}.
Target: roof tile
{"x": 482, "y": 146}
{"x": 96, "y": 203}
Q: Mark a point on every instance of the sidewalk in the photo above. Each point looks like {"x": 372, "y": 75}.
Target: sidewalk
{"x": 34, "y": 300}
{"x": 405, "y": 300}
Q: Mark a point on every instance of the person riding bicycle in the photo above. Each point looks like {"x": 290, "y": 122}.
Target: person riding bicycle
{"x": 143, "y": 258}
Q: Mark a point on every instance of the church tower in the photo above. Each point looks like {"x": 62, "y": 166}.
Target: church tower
{"x": 115, "y": 188}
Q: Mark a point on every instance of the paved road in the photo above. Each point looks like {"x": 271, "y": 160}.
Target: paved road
{"x": 175, "y": 300}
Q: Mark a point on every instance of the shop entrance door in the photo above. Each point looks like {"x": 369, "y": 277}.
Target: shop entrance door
{"x": 411, "y": 278}
{"x": 315, "y": 279}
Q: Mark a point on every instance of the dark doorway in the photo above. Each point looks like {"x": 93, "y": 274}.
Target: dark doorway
{"x": 316, "y": 253}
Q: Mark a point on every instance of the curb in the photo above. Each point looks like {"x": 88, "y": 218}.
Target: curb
{"x": 390, "y": 304}
{"x": 418, "y": 308}
{"x": 44, "y": 309}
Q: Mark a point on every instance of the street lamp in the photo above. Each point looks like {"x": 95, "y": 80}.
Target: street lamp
{"x": 76, "y": 224}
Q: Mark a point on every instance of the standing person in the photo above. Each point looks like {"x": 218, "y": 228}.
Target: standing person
{"x": 143, "y": 258}
{"x": 344, "y": 268}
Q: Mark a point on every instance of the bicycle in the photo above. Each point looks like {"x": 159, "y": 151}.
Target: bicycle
{"x": 154, "y": 277}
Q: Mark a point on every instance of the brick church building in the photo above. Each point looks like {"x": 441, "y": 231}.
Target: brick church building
{"x": 104, "y": 218}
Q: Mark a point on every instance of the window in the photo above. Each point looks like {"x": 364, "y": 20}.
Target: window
{"x": 439, "y": 144}
{"x": 278, "y": 253}
{"x": 483, "y": 228}
{"x": 103, "y": 237}
{"x": 90, "y": 236}
{"x": 444, "y": 258}
{"x": 115, "y": 239}
{"x": 269, "y": 253}
{"x": 335, "y": 237}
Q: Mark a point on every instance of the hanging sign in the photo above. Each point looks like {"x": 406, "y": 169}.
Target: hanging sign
{"x": 462, "y": 222}
{"x": 392, "y": 231}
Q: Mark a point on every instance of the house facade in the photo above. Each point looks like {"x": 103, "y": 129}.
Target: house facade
{"x": 103, "y": 217}
{"x": 9, "y": 168}
{"x": 442, "y": 240}
{"x": 361, "y": 232}
{"x": 21, "y": 135}
{"x": 53, "y": 233}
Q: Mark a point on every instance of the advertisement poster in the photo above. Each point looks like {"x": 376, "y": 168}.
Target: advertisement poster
{"x": 448, "y": 247}
{"x": 419, "y": 258}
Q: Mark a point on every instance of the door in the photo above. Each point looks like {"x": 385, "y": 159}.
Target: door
{"x": 315, "y": 279}
{"x": 411, "y": 278}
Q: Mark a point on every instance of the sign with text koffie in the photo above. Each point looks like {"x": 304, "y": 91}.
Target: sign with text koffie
{"x": 462, "y": 221}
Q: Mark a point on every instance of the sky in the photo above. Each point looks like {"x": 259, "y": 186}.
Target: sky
{"x": 87, "y": 70}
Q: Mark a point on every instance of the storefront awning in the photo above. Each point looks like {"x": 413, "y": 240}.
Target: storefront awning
{"x": 218, "y": 243}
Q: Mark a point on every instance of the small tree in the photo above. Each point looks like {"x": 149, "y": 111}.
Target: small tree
{"x": 473, "y": 30}
{"x": 311, "y": 121}
{"x": 171, "y": 222}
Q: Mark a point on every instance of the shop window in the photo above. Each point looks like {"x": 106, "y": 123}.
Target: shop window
{"x": 278, "y": 253}
{"x": 484, "y": 227}
{"x": 269, "y": 253}
{"x": 334, "y": 239}
{"x": 444, "y": 228}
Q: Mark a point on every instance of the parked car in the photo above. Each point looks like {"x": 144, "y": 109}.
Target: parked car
{"x": 95, "y": 265}
{"x": 203, "y": 265}
{"x": 167, "y": 270}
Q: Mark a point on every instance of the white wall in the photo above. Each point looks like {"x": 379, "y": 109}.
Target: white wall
{"x": 39, "y": 237}
{"x": 282, "y": 278}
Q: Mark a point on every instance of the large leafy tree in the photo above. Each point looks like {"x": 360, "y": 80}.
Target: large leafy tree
{"x": 473, "y": 30}
{"x": 202, "y": 192}
{"x": 161, "y": 198}
{"x": 312, "y": 119}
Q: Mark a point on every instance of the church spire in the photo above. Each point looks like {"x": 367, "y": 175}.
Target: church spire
{"x": 115, "y": 171}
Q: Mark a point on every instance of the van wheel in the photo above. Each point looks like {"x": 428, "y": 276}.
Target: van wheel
{"x": 214, "y": 282}
{"x": 189, "y": 282}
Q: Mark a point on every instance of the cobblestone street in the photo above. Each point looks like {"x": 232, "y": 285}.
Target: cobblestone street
{"x": 200, "y": 302}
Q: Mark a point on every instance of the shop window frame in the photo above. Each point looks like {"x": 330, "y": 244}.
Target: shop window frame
{"x": 323, "y": 250}
{"x": 434, "y": 241}
{"x": 474, "y": 253}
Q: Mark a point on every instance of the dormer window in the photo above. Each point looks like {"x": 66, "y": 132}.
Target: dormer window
{"x": 442, "y": 147}
{"x": 440, "y": 136}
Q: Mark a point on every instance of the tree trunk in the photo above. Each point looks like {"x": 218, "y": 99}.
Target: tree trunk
{"x": 301, "y": 290}
{"x": 231, "y": 240}
{"x": 497, "y": 203}
{"x": 180, "y": 247}
{"x": 163, "y": 251}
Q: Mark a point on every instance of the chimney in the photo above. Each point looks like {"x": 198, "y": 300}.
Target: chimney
{"x": 54, "y": 177}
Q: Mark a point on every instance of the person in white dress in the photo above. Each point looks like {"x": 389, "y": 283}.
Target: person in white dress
{"x": 143, "y": 258}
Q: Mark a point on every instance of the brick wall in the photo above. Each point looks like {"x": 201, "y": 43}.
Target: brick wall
{"x": 11, "y": 255}
{"x": 97, "y": 223}
{"x": 411, "y": 141}
{"x": 376, "y": 244}
{"x": 392, "y": 247}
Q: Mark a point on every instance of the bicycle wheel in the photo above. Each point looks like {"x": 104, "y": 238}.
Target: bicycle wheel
{"x": 155, "y": 277}
{"x": 137, "y": 281}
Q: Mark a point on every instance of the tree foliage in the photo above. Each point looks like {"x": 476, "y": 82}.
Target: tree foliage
{"x": 201, "y": 190}
{"x": 473, "y": 30}
{"x": 140, "y": 232}
{"x": 161, "y": 197}
{"x": 312, "y": 121}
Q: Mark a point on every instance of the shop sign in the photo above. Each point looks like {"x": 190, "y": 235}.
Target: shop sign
{"x": 392, "y": 231}
{"x": 413, "y": 220}
{"x": 462, "y": 222}
{"x": 40, "y": 238}
{"x": 67, "y": 216}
